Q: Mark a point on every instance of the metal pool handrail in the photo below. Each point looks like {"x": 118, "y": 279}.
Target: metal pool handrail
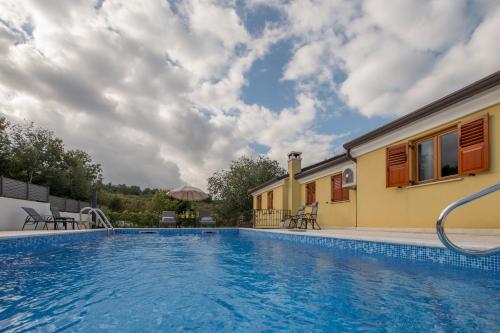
{"x": 100, "y": 216}
{"x": 444, "y": 214}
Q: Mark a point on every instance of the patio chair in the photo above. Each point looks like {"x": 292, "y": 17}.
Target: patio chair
{"x": 56, "y": 216}
{"x": 311, "y": 218}
{"x": 294, "y": 221}
{"x": 168, "y": 218}
{"x": 206, "y": 219}
{"x": 34, "y": 218}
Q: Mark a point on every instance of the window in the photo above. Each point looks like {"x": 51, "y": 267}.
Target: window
{"x": 425, "y": 160}
{"x": 310, "y": 193}
{"x": 259, "y": 201}
{"x": 437, "y": 156}
{"x": 448, "y": 148}
{"x": 270, "y": 200}
{"x": 459, "y": 151}
{"x": 339, "y": 193}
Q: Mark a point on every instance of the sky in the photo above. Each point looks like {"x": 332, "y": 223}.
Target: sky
{"x": 164, "y": 93}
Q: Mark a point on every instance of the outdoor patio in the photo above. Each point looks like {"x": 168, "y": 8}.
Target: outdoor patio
{"x": 479, "y": 239}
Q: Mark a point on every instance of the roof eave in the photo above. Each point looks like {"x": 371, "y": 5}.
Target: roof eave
{"x": 269, "y": 182}
{"x": 323, "y": 165}
{"x": 469, "y": 91}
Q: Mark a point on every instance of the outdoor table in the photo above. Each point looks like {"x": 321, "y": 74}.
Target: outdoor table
{"x": 188, "y": 219}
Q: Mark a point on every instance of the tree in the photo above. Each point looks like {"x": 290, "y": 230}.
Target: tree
{"x": 81, "y": 173}
{"x": 35, "y": 153}
{"x": 116, "y": 204}
{"x": 231, "y": 186}
{"x": 4, "y": 147}
{"x": 161, "y": 202}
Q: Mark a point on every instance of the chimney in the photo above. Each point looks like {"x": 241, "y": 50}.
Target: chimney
{"x": 294, "y": 162}
{"x": 293, "y": 188}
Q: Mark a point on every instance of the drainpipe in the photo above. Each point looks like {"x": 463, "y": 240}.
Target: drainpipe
{"x": 349, "y": 156}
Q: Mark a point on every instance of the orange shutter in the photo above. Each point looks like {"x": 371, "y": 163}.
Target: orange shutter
{"x": 345, "y": 194}
{"x": 397, "y": 165}
{"x": 338, "y": 192}
{"x": 337, "y": 188}
{"x": 270, "y": 200}
{"x": 259, "y": 202}
{"x": 313, "y": 192}
{"x": 473, "y": 146}
{"x": 310, "y": 193}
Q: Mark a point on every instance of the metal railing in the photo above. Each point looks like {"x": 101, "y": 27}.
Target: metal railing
{"x": 100, "y": 218}
{"x": 444, "y": 214}
{"x": 269, "y": 218}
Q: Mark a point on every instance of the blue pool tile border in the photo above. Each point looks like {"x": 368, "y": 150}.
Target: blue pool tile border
{"x": 43, "y": 242}
{"x": 411, "y": 252}
{"x": 436, "y": 255}
{"x": 48, "y": 241}
{"x": 177, "y": 231}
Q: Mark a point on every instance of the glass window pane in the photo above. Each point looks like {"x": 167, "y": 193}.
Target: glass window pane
{"x": 448, "y": 148}
{"x": 426, "y": 160}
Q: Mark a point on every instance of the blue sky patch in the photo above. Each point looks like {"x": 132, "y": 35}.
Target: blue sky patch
{"x": 264, "y": 86}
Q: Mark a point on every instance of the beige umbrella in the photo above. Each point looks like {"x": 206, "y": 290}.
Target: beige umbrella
{"x": 188, "y": 193}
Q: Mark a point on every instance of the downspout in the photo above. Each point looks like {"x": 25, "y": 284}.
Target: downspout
{"x": 350, "y": 157}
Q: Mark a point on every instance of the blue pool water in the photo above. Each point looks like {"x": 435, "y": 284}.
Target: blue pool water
{"x": 225, "y": 283}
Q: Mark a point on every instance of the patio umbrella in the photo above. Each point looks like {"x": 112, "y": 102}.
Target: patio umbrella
{"x": 188, "y": 193}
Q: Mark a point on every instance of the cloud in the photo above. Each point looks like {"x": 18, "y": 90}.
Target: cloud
{"x": 395, "y": 56}
{"x": 153, "y": 89}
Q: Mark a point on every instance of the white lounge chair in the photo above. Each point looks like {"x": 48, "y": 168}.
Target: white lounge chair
{"x": 207, "y": 219}
{"x": 169, "y": 219}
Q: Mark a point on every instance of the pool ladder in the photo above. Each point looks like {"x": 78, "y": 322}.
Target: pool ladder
{"x": 444, "y": 214}
{"x": 101, "y": 218}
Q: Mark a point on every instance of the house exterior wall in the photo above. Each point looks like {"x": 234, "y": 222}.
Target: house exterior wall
{"x": 279, "y": 198}
{"x": 419, "y": 206}
{"x": 331, "y": 214}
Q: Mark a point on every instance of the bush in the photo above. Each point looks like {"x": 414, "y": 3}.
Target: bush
{"x": 139, "y": 219}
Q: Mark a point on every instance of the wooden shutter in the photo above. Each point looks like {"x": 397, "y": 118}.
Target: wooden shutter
{"x": 310, "y": 193}
{"x": 270, "y": 200}
{"x": 345, "y": 194}
{"x": 313, "y": 195}
{"x": 338, "y": 192}
{"x": 337, "y": 188}
{"x": 259, "y": 201}
{"x": 473, "y": 146}
{"x": 397, "y": 165}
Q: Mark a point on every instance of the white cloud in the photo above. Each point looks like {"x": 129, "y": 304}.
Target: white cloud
{"x": 397, "y": 55}
{"x": 153, "y": 90}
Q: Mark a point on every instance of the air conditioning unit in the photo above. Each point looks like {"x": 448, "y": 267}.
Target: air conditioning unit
{"x": 349, "y": 176}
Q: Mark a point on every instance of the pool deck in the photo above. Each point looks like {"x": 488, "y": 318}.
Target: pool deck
{"x": 478, "y": 239}
{"x": 33, "y": 233}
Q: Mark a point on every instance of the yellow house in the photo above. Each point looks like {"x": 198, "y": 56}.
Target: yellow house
{"x": 323, "y": 183}
{"x": 403, "y": 174}
{"x": 320, "y": 182}
{"x": 409, "y": 170}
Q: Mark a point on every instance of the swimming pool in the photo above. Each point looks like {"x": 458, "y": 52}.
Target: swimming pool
{"x": 235, "y": 282}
